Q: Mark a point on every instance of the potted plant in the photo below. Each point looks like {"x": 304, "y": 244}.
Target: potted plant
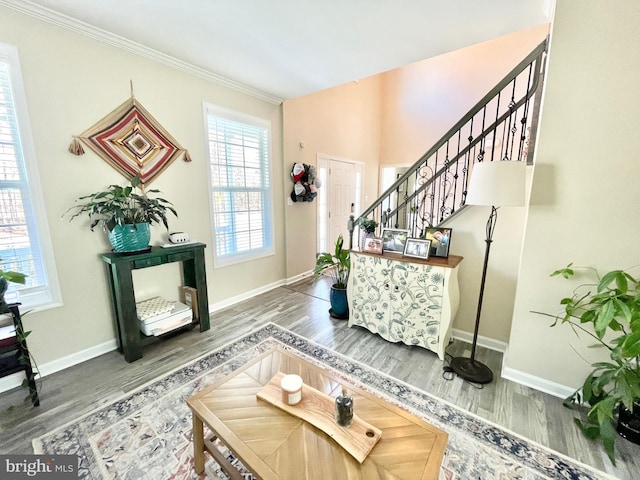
{"x": 18, "y": 345}
{"x": 125, "y": 213}
{"x": 5, "y": 278}
{"x": 609, "y": 312}
{"x": 338, "y": 266}
{"x": 368, "y": 226}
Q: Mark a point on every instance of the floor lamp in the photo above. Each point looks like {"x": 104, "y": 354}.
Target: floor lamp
{"x": 495, "y": 184}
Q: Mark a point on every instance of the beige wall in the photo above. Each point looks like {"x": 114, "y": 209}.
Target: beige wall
{"x": 342, "y": 122}
{"x": 71, "y": 82}
{"x": 585, "y": 181}
{"x": 422, "y": 101}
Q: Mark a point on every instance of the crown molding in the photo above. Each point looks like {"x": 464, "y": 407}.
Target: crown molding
{"x": 41, "y": 13}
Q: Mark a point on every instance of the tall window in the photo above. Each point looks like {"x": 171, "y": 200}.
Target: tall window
{"x": 24, "y": 237}
{"x": 239, "y": 150}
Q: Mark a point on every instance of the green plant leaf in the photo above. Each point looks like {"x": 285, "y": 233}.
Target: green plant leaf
{"x": 603, "y": 318}
{"x": 589, "y": 431}
{"x": 608, "y": 436}
{"x": 566, "y": 272}
{"x": 631, "y": 345}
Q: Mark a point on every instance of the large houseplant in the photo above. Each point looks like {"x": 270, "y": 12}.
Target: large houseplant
{"x": 338, "y": 266}
{"x": 125, "y": 213}
{"x": 609, "y": 312}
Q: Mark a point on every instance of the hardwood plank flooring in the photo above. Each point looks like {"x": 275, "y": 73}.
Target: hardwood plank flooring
{"x": 303, "y": 309}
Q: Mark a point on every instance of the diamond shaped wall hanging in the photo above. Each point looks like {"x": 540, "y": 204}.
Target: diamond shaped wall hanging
{"x": 131, "y": 141}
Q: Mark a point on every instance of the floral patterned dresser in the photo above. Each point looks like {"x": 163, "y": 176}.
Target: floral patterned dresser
{"x": 405, "y": 299}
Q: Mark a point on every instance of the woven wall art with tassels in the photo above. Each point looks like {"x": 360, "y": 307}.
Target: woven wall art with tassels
{"x": 131, "y": 141}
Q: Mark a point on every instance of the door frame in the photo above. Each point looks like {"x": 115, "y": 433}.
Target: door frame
{"x": 322, "y": 224}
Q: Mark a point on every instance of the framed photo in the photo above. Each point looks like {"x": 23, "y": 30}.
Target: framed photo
{"x": 190, "y": 299}
{"x": 440, "y": 241}
{"x": 417, "y": 247}
{"x": 372, "y": 245}
{"x": 394, "y": 240}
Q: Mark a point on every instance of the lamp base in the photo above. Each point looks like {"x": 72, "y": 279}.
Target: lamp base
{"x": 471, "y": 370}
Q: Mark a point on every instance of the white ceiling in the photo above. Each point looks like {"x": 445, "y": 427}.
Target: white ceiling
{"x": 283, "y": 49}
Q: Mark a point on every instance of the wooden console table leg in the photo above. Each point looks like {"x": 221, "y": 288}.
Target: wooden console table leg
{"x": 125, "y": 305}
{"x": 198, "y": 444}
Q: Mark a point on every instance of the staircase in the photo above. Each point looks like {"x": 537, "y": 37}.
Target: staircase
{"x": 500, "y": 127}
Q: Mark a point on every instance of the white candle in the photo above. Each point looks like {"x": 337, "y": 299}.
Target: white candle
{"x": 291, "y": 386}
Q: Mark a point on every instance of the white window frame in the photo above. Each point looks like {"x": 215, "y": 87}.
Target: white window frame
{"x": 47, "y": 295}
{"x": 269, "y": 248}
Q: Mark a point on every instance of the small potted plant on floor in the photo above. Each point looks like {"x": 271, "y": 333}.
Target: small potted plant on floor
{"x": 338, "y": 266}
{"x": 125, "y": 213}
{"x": 609, "y": 312}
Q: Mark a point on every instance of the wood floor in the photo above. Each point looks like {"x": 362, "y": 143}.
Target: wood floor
{"x": 303, "y": 309}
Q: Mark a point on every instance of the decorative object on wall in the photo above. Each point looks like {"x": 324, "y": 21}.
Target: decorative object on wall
{"x": 131, "y": 141}
{"x": 305, "y": 183}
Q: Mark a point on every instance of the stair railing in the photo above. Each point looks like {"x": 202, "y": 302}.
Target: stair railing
{"x": 500, "y": 127}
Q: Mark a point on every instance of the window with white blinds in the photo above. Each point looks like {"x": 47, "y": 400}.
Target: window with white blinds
{"x": 23, "y": 231}
{"x": 241, "y": 207}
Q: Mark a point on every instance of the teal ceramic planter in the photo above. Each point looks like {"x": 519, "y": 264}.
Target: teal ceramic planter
{"x": 130, "y": 238}
{"x": 339, "y": 304}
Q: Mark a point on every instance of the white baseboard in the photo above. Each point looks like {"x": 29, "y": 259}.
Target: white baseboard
{"x": 15, "y": 380}
{"x": 299, "y": 277}
{"x": 512, "y": 374}
{"x": 485, "y": 342}
{"x": 229, "y": 302}
{"x": 536, "y": 383}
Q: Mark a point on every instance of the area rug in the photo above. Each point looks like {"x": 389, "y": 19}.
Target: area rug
{"x": 147, "y": 434}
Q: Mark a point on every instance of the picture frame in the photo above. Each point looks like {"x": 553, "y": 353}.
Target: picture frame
{"x": 440, "y": 241}
{"x": 417, "y": 248}
{"x": 190, "y": 299}
{"x": 394, "y": 240}
{"x": 372, "y": 245}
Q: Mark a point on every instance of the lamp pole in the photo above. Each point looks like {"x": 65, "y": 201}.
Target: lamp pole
{"x": 469, "y": 368}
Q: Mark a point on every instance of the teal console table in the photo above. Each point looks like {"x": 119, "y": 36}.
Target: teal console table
{"x": 120, "y": 267}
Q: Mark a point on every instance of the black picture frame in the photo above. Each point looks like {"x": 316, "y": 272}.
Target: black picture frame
{"x": 440, "y": 241}
{"x": 394, "y": 240}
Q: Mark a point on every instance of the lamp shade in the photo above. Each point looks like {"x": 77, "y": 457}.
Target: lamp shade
{"x": 500, "y": 183}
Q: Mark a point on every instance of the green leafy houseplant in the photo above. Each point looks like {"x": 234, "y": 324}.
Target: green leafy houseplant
{"x": 128, "y": 205}
{"x": 5, "y": 278}
{"x": 337, "y": 265}
{"x": 369, "y": 225}
{"x": 611, "y": 310}
{"x": 20, "y": 334}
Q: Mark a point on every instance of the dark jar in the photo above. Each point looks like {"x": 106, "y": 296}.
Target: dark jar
{"x": 344, "y": 408}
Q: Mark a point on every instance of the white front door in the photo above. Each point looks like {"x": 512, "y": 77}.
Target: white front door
{"x": 341, "y": 200}
{"x": 338, "y": 199}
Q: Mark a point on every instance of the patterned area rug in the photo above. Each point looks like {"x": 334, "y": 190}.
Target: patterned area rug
{"x": 147, "y": 434}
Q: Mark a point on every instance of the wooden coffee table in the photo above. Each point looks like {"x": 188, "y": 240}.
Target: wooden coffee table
{"x": 274, "y": 444}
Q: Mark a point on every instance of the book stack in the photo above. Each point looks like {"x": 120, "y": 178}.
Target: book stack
{"x": 157, "y": 316}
